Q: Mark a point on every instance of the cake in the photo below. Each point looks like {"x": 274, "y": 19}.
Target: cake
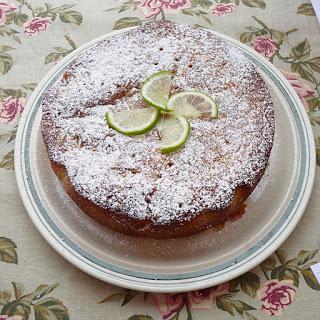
{"x": 124, "y": 182}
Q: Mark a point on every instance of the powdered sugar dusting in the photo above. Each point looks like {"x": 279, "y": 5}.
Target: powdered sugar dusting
{"x": 129, "y": 174}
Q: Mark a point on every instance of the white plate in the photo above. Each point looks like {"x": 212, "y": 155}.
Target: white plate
{"x": 273, "y": 210}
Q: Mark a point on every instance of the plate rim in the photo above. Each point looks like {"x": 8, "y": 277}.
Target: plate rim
{"x": 162, "y": 285}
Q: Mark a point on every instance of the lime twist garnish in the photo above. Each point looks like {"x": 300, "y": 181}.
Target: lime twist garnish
{"x": 193, "y": 105}
{"x": 173, "y": 127}
{"x": 133, "y": 122}
{"x": 174, "y": 132}
{"x": 156, "y": 89}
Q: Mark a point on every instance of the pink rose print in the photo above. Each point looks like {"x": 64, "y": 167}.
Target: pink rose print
{"x": 275, "y": 296}
{"x": 151, "y": 8}
{"x": 268, "y": 47}
{"x": 170, "y": 304}
{"x": 202, "y": 299}
{"x": 222, "y": 9}
{"x": 10, "y": 109}
{"x": 34, "y": 26}
{"x": 5, "y": 6}
{"x": 4, "y": 317}
{"x": 2, "y": 17}
{"x": 302, "y": 87}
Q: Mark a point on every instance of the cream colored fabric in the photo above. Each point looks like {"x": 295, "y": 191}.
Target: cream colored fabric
{"x": 34, "y": 38}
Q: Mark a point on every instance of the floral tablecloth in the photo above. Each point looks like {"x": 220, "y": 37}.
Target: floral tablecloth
{"x": 35, "y": 282}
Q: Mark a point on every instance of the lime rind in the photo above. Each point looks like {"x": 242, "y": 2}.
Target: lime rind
{"x": 174, "y": 132}
{"x": 156, "y": 89}
{"x": 185, "y": 104}
{"x": 133, "y": 122}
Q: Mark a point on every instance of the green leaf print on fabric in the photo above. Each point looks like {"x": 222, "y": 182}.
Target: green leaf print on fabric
{"x": 310, "y": 279}
{"x": 6, "y": 62}
{"x": 4, "y": 297}
{"x": 63, "y": 12}
{"x": 15, "y": 93}
{"x": 305, "y": 67}
{"x": 60, "y": 52}
{"x": 126, "y": 296}
{"x": 225, "y": 304}
{"x": 192, "y": 8}
{"x": 29, "y": 20}
{"x": 29, "y": 86}
{"x": 232, "y": 306}
{"x": 6, "y": 48}
{"x": 255, "y": 3}
{"x": 306, "y": 9}
{"x": 292, "y": 269}
{"x": 127, "y": 22}
{"x": 71, "y": 16}
{"x": 50, "y": 309}
{"x": 203, "y": 3}
{"x": 301, "y": 51}
{"x": 17, "y": 308}
{"x": 18, "y": 289}
{"x": 7, "y": 163}
{"x": 269, "y": 292}
{"x": 305, "y": 256}
{"x": 314, "y": 64}
{"x": 43, "y": 290}
{"x": 140, "y": 317}
{"x": 250, "y": 283}
{"x": 268, "y": 264}
{"x": 8, "y": 249}
{"x": 11, "y": 33}
{"x": 113, "y": 298}
{"x": 26, "y": 304}
{"x": 249, "y": 316}
{"x": 20, "y": 18}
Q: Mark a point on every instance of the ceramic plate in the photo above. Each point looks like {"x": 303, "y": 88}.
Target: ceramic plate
{"x": 212, "y": 257}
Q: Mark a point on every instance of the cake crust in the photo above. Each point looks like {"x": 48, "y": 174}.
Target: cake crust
{"x": 125, "y": 183}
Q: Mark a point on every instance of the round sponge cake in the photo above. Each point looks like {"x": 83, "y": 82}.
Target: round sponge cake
{"x": 125, "y": 182}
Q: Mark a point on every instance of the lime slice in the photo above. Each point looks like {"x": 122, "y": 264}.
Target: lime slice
{"x": 193, "y": 105}
{"x": 133, "y": 122}
{"x": 174, "y": 132}
{"x": 156, "y": 89}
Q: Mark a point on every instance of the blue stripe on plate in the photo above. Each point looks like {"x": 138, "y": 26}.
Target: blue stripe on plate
{"x": 228, "y": 266}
